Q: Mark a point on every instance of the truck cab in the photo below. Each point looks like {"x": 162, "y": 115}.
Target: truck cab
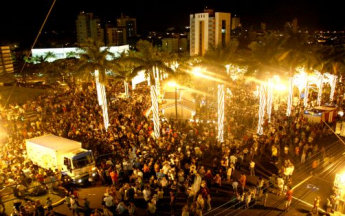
{"x": 78, "y": 166}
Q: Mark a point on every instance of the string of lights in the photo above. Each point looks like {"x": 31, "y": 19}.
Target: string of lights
{"x": 269, "y": 98}
{"x": 320, "y": 85}
{"x": 126, "y": 89}
{"x": 306, "y": 92}
{"x": 333, "y": 83}
{"x": 155, "y": 113}
{"x": 157, "y": 81}
{"x": 102, "y": 100}
{"x": 220, "y": 113}
{"x": 261, "y": 109}
{"x": 289, "y": 99}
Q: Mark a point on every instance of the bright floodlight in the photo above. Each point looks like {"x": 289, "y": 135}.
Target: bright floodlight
{"x": 342, "y": 178}
{"x": 280, "y": 87}
{"x": 197, "y": 71}
{"x": 172, "y": 84}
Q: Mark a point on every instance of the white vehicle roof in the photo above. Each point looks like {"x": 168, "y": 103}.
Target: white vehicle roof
{"x": 55, "y": 142}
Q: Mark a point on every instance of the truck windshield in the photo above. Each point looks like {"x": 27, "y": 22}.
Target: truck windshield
{"x": 83, "y": 161}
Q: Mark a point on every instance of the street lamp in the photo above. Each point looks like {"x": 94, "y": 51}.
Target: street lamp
{"x": 174, "y": 84}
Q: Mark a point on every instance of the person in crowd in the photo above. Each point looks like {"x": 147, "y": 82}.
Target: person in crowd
{"x": 109, "y": 202}
{"x": 217, "y": 182}
{"x": 87, "y": 209}
{"x": 252, "y": 168}
{"x": 280, "y": 185}
{"x": 74, "y": 206}
{"x": 243, "y": 181}
{"x": 288, "y": 196}
{"x": 316, "y": 205}
{"x": 172, "y": 203}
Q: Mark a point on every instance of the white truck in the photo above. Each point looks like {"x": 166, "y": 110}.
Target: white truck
{"x": 68, "y": 156}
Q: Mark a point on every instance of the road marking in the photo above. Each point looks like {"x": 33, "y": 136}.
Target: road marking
{"x": 307, "y": 187}
{"x": 312, "y": 187}
{"x": 320, "y": 209}
{"x": 299, "y": 184}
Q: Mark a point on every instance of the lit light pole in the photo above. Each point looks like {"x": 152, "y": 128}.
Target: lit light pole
{"x": 174, "y": 84}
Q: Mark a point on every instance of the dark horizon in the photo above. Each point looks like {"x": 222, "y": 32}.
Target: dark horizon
{"x": 24, "y": 22}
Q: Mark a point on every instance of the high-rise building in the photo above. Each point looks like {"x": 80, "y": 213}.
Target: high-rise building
{"x": 235, "y": 22}
{"x": 115, "y": 36}
{"x": 263, "y": 26}
{"x": 6, "y": 63}
{"x": 208, "y": 28}
{"x": 293, "y": 26}
{"x": 170, "y": 44}
{"x": 129, "y": 23}
{"x": 88, "y": 26}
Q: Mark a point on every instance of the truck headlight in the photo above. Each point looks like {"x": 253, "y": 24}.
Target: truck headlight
{"x": 79, "y": 181}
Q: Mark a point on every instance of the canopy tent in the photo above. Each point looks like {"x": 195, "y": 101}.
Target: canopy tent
{"x": 321, "y": 114}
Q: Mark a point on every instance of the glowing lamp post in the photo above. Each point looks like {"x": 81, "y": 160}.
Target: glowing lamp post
{"x": 174, "y": 84}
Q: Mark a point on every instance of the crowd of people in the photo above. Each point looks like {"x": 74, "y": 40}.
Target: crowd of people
{"x": 138, "y": 168}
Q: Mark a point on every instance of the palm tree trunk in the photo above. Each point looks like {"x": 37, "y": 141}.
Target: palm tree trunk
{"x": 126, "y": 89}
{"x": 155, "y": 112}
{"x": 290, "y": 97}
{"x": 320, "y": 85}
{"x": 102, "y": 99}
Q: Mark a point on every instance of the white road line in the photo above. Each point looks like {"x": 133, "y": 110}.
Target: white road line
{"x": 320, "y": 209}
{"x": 299, "y": 184}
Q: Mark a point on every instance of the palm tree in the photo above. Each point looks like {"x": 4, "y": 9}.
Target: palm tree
{"x": 97, "y": 60}
{"x": 71, "y": 54}
{"x": 333, "y": 59}
{"x": 94, "y": 57}
{"x": 66, "y": 67}
{"x": 217, "y": 57}
{"x": 263, "y": 60}
{"x": 147, "y": 59}
{"x": 295, "y": 51}
{"x": 41, "y": 58}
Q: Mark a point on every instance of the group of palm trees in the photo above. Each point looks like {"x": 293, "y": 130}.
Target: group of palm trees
{"x": 121, "y": 66}
{"x": 269, "y": 55}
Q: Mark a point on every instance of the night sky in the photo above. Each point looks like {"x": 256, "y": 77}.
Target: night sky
{"x": 22, "y": 18}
